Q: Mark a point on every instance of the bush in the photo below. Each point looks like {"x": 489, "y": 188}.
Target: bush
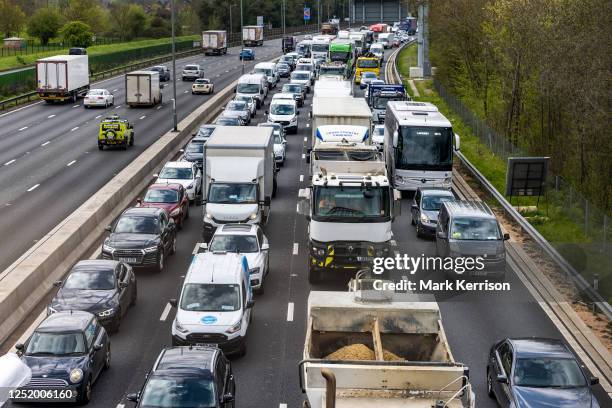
{"x": 76, "y": 34}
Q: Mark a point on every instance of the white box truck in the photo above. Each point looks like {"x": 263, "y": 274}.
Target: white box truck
{"x": 239, "y": 177}
{"x": 142, "y": 88}
{"x": 62, "y": 78}
{"x": 333, "y": 89}
{"x": 385, "y": 354}
{"x": 339, "y": 111}
{"x": 252, "y": 35}
{"x": 214, "y": 42}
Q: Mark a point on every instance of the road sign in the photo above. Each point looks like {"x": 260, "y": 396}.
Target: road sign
{"x": 306, "y": 13}
{"x": 260, "y": 20}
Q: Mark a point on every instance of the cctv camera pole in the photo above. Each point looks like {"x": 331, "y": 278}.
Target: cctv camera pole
{"x": 174, "y": 120}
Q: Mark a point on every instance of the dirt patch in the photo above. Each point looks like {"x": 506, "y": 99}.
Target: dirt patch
{"x": 360, "y": 352}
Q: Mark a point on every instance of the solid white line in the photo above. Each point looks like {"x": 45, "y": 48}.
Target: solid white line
{"x": 159, "y": 107}
{"x": 143, "y": 116}
{"x": 50, "y": 116}
{"x": 46, "y": 143}
{"x": 22, "y": 108}
{"x": 186, "y": 92}
{"x": 74, "y": 128}
{"x": 297, "y": 208}
{"x": 33, "y": 187}
{"x": 120, "y": 406}
{"x": 9, "y": 162}
{"x": 165, "y": 313}
{"x": 308, "y": 125}
{"x": 305, "y": 138}
{"x": 99, "y": 116}
{"x": 301, "y": 177}
{"x": 71, "y": 163}
{"x": 295, "y": 248}
{"x": 117, "y": 107}
{"x": 23, "y": 128}
{"x": 303, "y": 156}
{"x": 282, "y": 405}
{"x": 290, "y": 312}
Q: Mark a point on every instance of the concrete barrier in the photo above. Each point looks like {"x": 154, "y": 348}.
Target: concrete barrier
{"x": 25, "y": 283}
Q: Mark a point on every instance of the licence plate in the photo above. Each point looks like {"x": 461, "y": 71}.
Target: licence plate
{"x": 364, "y": 258}
{"x": 128, "y": 260}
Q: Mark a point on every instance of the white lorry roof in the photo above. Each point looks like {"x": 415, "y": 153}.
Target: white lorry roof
{"x": 63, "y": 58}
{"x": 347, "y": 106}
{"x": 143, "y": 72}
{"x": 224, "y": 137}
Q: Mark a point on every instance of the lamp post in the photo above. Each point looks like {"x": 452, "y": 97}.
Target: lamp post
{"x": 174, "y": 119}
{"x": 241, "y": 41}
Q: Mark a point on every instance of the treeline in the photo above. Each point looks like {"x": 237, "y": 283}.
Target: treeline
{"x": 46, "y": 20}
{"x": 539, "y": 72}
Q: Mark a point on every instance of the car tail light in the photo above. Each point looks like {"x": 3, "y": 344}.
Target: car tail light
{"x": 99, "y": 97}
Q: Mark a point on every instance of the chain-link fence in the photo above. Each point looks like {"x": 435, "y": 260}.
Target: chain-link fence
{"x": 582, "y": 231}
{"x": 26, "y": 47}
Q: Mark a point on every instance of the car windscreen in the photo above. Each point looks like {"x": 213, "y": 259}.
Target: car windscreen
{"x": 205, "y": 297}
{"x": 378, "y": 131}
{"x": 331, "y": 70}
{"x": 351, "y": 203}
{"x": 548, "y": 372}
{"x": 202, "y": 81}
{"x": 265, "y": 71}
{"x": 56, "y": 344}
{"x": 191, "y": 68}
{"x": 434, "y": 202}
{"x": 177, "y": 173}
{"x": 424, "y": 147}
{"x": 96, "y": 92}
{"x": 161, "y": 196}
{"x": 247, "y": 99}
{"x": 282, "y": 109}
{"x": 320, "y": 47}
{"x": 292, "y": 89}
{"x": 277, "y": 138}
{"x": 205, "y": 131}
{"x": 339, "y": 55}
{"x": 380, "y": 102}
{"x": 475, "y": 229}
{"x": 195, "y": 148}
{"x": 248, "y": 88}
{"x": 91, "y": 280}
{"x": 370, "y": 75}
{"x": 299, "y": 75}
{"x": 236, "y": 106}
{"x": 232, "y": 193}
{"x": 304, "y": 67}
{"x": 367, "y": 63}
{"x": 226, "y": 121}
{"x": 234, "y": 243}
{"x": 136, "y": 225}
{"x": 178, "y": 392}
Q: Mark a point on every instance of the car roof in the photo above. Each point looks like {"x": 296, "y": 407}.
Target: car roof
{"x": 237, "y": 229}
{"x": 437, "y": 191}
{"x": 142, "y": 211}
{"x": 95, "y": 265}
{"x": 186, "y": 359}
{"x": 540, "y": 347}
{"x": 74, "y": 320}
{"x": 178, "y": 164}
{"x": 474, "y": 209}
{"x": 164, "y": 186}
{"x": 300, "y": 72}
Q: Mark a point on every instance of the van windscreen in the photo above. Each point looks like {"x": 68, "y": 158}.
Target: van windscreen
{"x": 475, "y": 229}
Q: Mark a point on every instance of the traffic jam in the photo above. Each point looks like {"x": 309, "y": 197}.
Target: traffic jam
{"x": 367, "y": 147}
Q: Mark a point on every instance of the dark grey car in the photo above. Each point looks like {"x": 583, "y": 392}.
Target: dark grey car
{"x": 425, "y": 208}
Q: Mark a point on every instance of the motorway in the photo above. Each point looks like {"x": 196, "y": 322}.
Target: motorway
{"x": 267, "y": 376}
{"x": 50, "y": 163}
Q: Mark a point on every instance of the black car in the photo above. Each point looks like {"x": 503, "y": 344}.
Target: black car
{"x": 190, "y": 376}
{"x": 77, "y": 51}
{"x": 284, "y": 70}
{"x": 194, "y": 152}
{"x": 141, "y": 237}
{"x": 102, "y": 287}
{"x": 67, "y": 352}
{"x": 289, "y": 60}
{"x": 535, "y": 372}
{"x": 425, "y": 208}
{"x": 164, "y": 72}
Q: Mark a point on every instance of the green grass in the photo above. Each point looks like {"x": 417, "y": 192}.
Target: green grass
{"x": 19, "y": 61}
{"x": 563, "y": 232}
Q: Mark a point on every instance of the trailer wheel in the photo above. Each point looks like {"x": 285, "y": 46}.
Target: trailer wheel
{"x": 314, "y": 275}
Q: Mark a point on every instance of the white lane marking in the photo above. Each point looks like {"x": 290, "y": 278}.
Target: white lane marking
{"x": 23, "y": 128}
{"x": 301, "y": 177}
{"x": 308, "y": 125}
{"x": 71, "y": 163}
{"x": 227, "y": 70}
{"x": 50, "y": 116}
{"x": 282, "y": 405}
{"x": 76, "y": 106}
{"x": 46, "y": 143}
{"x": 142, "y": 117}
{"x": 159, "y": 107}
{"x": 22, "y": 108}
{"x": 99, "y": 116}
{"x": 303, "y": 156}
{"x": 120, "y": 406}
{"x": 117, "y": 107}
{"x": 296, "y": 246}
{"x": 74, "y": 128}
{"x": 165, "y": 313}
{"x": 297, "y": 208}
{"x": 290, "y": 308}
{"x": 114, "y": 90}
{"x": 10, "y": 162}
{"x": 217, "y": 76}
{"x": 305, "y": 138}
{"x": 34, "y": 187}
{"x": 186, "y": 92}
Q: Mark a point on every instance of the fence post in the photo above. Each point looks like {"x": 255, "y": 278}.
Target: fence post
{"x": 586, "y": 217}
{"x": 557, "y": 182}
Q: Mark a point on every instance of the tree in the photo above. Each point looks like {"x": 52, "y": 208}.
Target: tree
{"x": 138, "y": 20}
{"x": 89, "y": 12}
{"x": 12, "y": 18}
{"x": 77, "y": 34}
{"x": 119, "y": 19}
{"x": 45, "y": 24}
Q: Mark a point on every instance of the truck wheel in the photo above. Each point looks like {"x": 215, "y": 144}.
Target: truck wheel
{"x": 132, "y": 140}
{"x": 274, "y": 187}
{"x": 314, "y": 275}
{"x": 100, "y": 147}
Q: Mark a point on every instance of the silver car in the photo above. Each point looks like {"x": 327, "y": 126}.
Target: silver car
{"x": 238, "y": 108}
{"x": 250, "y": 101}
{"x": 425, "y": 208}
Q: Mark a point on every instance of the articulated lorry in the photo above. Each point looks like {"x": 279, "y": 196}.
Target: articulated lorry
{"x": 142, "y": 88}
{"x": 361, "y": 353}
{"x": 239, "y": 177}
{"x": 62, "y": 78}
{"x": 214, "y": 42}
{"x": 339, "y": 111}
{"x": 343, "y": 51}
{"x": 252, "y": 35}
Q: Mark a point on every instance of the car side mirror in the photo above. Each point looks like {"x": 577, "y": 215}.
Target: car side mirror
{"x": 415, "y": 207}
{"x": 261, "y": 92}
{"x": 134, "y": 397}
{"x": 310, "y": 114}
{"x": 249, "y": 304}
{"x": 97, "y": 347}
{"x": 297, "y": 112}
{"x": 173, "y": 302}
{"x": 594, "y": 380}
{"x": 155, "y": 174}
{"x": 57, "y": 284}
{"x": 234, "y": 90}
{"x": 440, "y": 235}
{"x": 182, "y": 150}
{"x": 203, "y": 247}
{"x": 265, "y": 247}
{"x": 139, "y": 201}
{"x": 502, "y": 379}
{"x": 506, "y": 236}
{"x": 228, "y": 398}
{"x": 19, "y": 346}
{"x": 267, "y": 112}
{"x": 108, "y": 228}
{"x": 123, "y": 285}
{"x": 267, "y": 201}
{"x": 395, "y": 138}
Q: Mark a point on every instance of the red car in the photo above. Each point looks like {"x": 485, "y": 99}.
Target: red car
{"x": 170, "y": 197}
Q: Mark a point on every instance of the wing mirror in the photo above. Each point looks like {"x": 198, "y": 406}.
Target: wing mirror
{"x": 19, "y": 346}
{"x": 415, "y": 207}
{"x": 108, "y": 228}
{"x": 267, "y": 201}
{"x": 457, "y": 142}
{"x": 139, "y": 201}
{"x": 203, "y": 247}
{"x": 173, "y": 302}
{"x": 506, "y": 236}
{"x": 593, "y": 380}
{"x": 57, "y": 284}
{"x": 249, "y": 304}
{"x": 228, "y": 398}
{"x": 297, "y": 112}
{"x": 267, "y": 112}
{"x": 134, "y": 397}
{"x": 502, "y": 379}
{"x": 265, "y": 246}
{"x": 97, "y": 347}
{"x": 123, "y": 285}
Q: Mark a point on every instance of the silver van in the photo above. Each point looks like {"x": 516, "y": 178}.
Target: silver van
{"x": 470, "y": 229}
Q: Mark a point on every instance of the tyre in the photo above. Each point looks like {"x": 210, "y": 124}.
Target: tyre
{"x": 187, "y": 212}
{"x": 173, "y": 247}
{"x": 134, "y": 296}
{"x": 85, "y": 394}
{"x": 107, "y": 358}
{"x": 490, "y": 392}
{"x": 412, "y": 221}
{"x": 274, "y": 187}
{"x": 100, "y": 147}
{"x": 160, "y": 262}
{"x": 243, "y": 349}
{"x": 132, "y": 139}
{"x": 314, "y": 275}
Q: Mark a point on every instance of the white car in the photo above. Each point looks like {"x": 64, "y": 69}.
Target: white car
{"x": 98, "y": 97}
{"x": 284, "y": 112}
{"x": 251, "y": 103}
{"x": 378, "y": 136}
{"x": 302, "y": 78}
{"x": 280, "y": 148}
{"x": 248, "y": 240}
{"x": 185, "y": 173}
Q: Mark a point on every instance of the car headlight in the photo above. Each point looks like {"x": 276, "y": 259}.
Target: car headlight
{"x": 208, "y": 216}
{"x": 107, "y": 312}
{"x": 108, "y": 248}
{"x": 150, "y": 249}
{"x": 234, "y": 328}
{"x": 253, "y": 216}
{"x": 424, "y": 218}
{"x": 254, "y": 271}
{"x": 178, "y": 327}
{"x": 175, "y": 212}
{"x": 76, "y": 375}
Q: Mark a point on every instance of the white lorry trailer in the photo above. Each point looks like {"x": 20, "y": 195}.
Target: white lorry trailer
{"x": 339, "y": 111}
{"x": 239, "y": 177}
{"x": 410, "y": 365}
{"x": 142, "y": 88}
{"x": 62, "y": 78}
{"x": 214, "y": 42}
{"x": 252, "y": 35}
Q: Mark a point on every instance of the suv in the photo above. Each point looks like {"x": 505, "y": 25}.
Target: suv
{"x": 198, "y": 376}
{"x": 115, "y": 132}
{"x": 192, "y": 72}
{"x": 164, "y": 72}
{"x": 141, "y": 237}
{"x": 425, "y": 208}
{"x": 248, "y": 240}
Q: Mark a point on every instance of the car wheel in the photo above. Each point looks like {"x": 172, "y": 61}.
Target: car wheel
{"x": 186, "y": 212}
{"x": 105, "y": 104}
{"x": 134, "y": 296}
{"x": 173, "y": 248}
{"x": 274, "y": 187}
{"x": 243, "y": 349}
{"x": 412, "y": 221}
{"x": 160, "y": 262}
{"x": 107, "y": 358}
{"x": 117, "y": 325}
{"x": 85, "y": 396}
{"x": 490, "y": 385}
{"x": 314, "y": 275}
{"x": 100, "y": 147}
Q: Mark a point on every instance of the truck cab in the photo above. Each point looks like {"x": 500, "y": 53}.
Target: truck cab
{"x": 367, "y": 64}
{"x": 269, "y": 70}
{"x": 380, "y": 94}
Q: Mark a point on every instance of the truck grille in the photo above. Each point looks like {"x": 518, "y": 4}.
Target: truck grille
{"x": 47, "y": 382}
{"x": 206, "y": 338}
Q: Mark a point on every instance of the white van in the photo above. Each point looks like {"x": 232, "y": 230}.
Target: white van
{"x": 305, "y": 64}
{"x": 254, "y": 85}
{"x": 269, "y": 70}
{"x": 386, "y": 39}
{"x": 284, "y": 112}
{"x": 215, "y": 303}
